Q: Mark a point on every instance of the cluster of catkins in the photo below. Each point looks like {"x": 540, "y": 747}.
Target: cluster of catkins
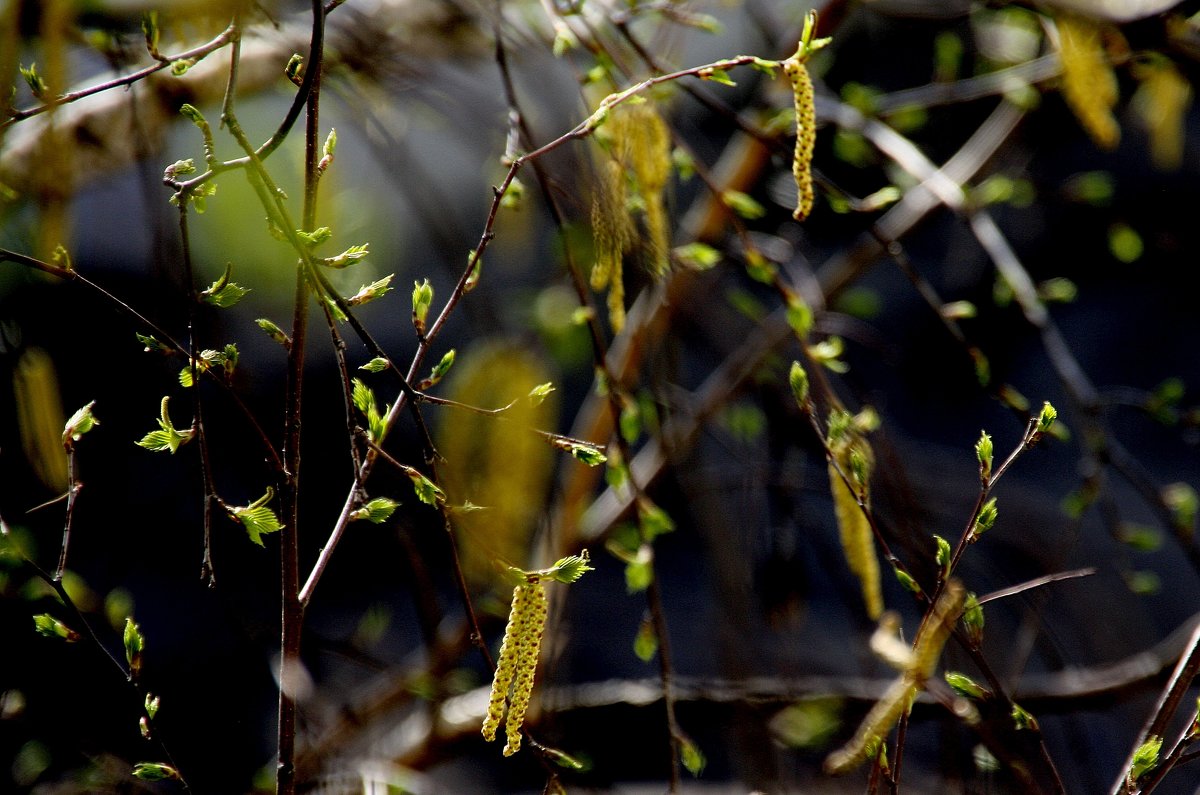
{"x": 517, "y": 663}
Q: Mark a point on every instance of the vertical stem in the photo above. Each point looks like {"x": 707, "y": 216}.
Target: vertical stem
{"x": 73, "y": 491}
{"x": 292, "y": 616}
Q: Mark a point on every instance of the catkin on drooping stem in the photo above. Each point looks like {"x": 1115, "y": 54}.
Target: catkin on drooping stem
{"x": 1089, "y": 85}
{"x": 806, "y": 136}
{"x": 506, "y": 665}
{"x": 528, "y": 644}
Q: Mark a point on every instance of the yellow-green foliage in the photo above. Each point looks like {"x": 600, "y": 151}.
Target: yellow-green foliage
{"x": 1088, "y": 83}
{"x": 854, "y": 457}
{"x": 806, "y": 135}
{"x": 495, "y": 462}
{"x": 632, "y": 174}
{"x": 1162, "y": 103}
{"x": 898, "y": 698}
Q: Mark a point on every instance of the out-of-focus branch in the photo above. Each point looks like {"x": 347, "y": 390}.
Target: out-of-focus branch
{"x": 363, "y": 35}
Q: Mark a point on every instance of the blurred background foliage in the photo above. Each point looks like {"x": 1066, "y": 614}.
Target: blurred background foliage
{"x": 1066, "y": 130}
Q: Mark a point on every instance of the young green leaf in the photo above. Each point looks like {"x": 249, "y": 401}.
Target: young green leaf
{"x": 645, "y": 642}
{"x": 691, "y": 756}
{"x": 369, "y": 292}
{"x": 377, "y": 511}
{"x": 257, "y": 518}
{"x": 943, "y": 555}
{"x": 153, "y": 345}
{"x": 984, "y": 451}
{"x": 743, "y": 205}
{"x": 1145, "y": 758}
{"x": 985, "y": 520}
{"x": 223, "y": 292}
{"x": 316, "y": 237}
{"x": 569, "y": 569}
{"x": 167, "y": 438}
{"x": 155, "y": 771}
{"x": 697, "y": 256}
{"x": 152, "y": 704}
{"x": 274, "y": 332}
{"x": 347, "y": 257}
{"x": 539, "y": 393}
{"x": 50, "y": 627}
{"x": 37, "y": 85}
{"x": 422, "y": 299}
{"x": 80, "y": 423}
{"x": 965, "y": 686}
{"x": 973, "y": 619}
{"x": 376, "y": 365}
{"x": 135, "y": 644}
{"x": 426, "y": 490}
{"x": 798, "y": 381}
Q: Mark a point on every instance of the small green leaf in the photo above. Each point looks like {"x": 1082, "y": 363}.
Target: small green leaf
{"x": 440, "y": 369}
{"x": 168, "y": 438}
{"x": 155, "y": 771}
{"x": 376, "y": 365}
{"x": 906, "y": 580}
{"x": 697, "y": 256}
{"x": 717, "y": 76}
{"x": 828, "y": 353}
{"x": 799, "y": 316}
{"x": 223, "y": 292}
{"x": 153, "y": 345}
{"x": 180, "y": 68}
{"x": 943, "y": 555}
{"x": 377, "y": 511}
{"x": 135, "y": 644}
{"x": 958, "y": 310}
{"x": 150, "y": 32}
{"x": 984, "y": 450}
{"x": 798, "y": 381}
{"x": 369, "y": 292}
{"x": 743, "y": 205}
{"x": 973, "y": 619}
{"x": 330, "y": 145}
{"x": 985, "y": 520}
{"x": 689, "y": 753}
{"x": 50, "y": 627}
{"x": 361, "y": 396}
{"x": 653, "y": 520}
{"x": 1022, "y": 719}
{"x": 35, "y": 82}
{"x": 1181, "y": 499}
{"x": 562, "y": 759}
{"x": 540, "y": 392}
{"x": 347, "y": 257}
{"x": 630, "y": 422}
{"x": 965, "y": 686}
{"x": 152, "y": 704}
{"x": 569, "y": 569}
{"x": 426, "y": 490}
{"x": 1046, "y": 418}
{"x": 274, "y": 332}
{"x": 645, "y": 642}
{"x": 639, "y": 574}
{"x": 422, "y": 299}
{"x": 291, "y": 69}
{"x": 257, "y": 518}
{"x": 80, "y": 423}
{"x": 1145, "y": 758}
{"x": 316, "y": 237}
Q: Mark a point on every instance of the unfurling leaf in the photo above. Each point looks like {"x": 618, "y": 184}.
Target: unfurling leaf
{"x": 376, "y": 365}
{"x": 167, "y": 438}
{"x": 154, "y": 771}
{"x": 50, "y": 627}
{"x": 369, "y": 292}
{"x": 80, "y": 423}
{"x": 135, "y": 644}
{"x": 257, "y": 518}
{"x": 569, "y": 569}
{"x": 223, "y": 292}
{"x": 377, "y": 511}
{"x": 1145, "y": 758}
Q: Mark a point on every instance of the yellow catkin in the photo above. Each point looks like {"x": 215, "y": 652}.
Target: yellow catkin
{"x": 898, "y": 698}
{"x": 1162, "y": 103}
{"x": 528, "y": 645}
{"x": 1089, "y": 85}
{"x": 41, "y": 417}
{"x": 858, "y": 542}
{"x": 647, "y": 150}
{"x": 806, "y": 136}
{"x": 507, "y": 663}
{"x": 610, "y": 223}
{"x": 632, "y": 177}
